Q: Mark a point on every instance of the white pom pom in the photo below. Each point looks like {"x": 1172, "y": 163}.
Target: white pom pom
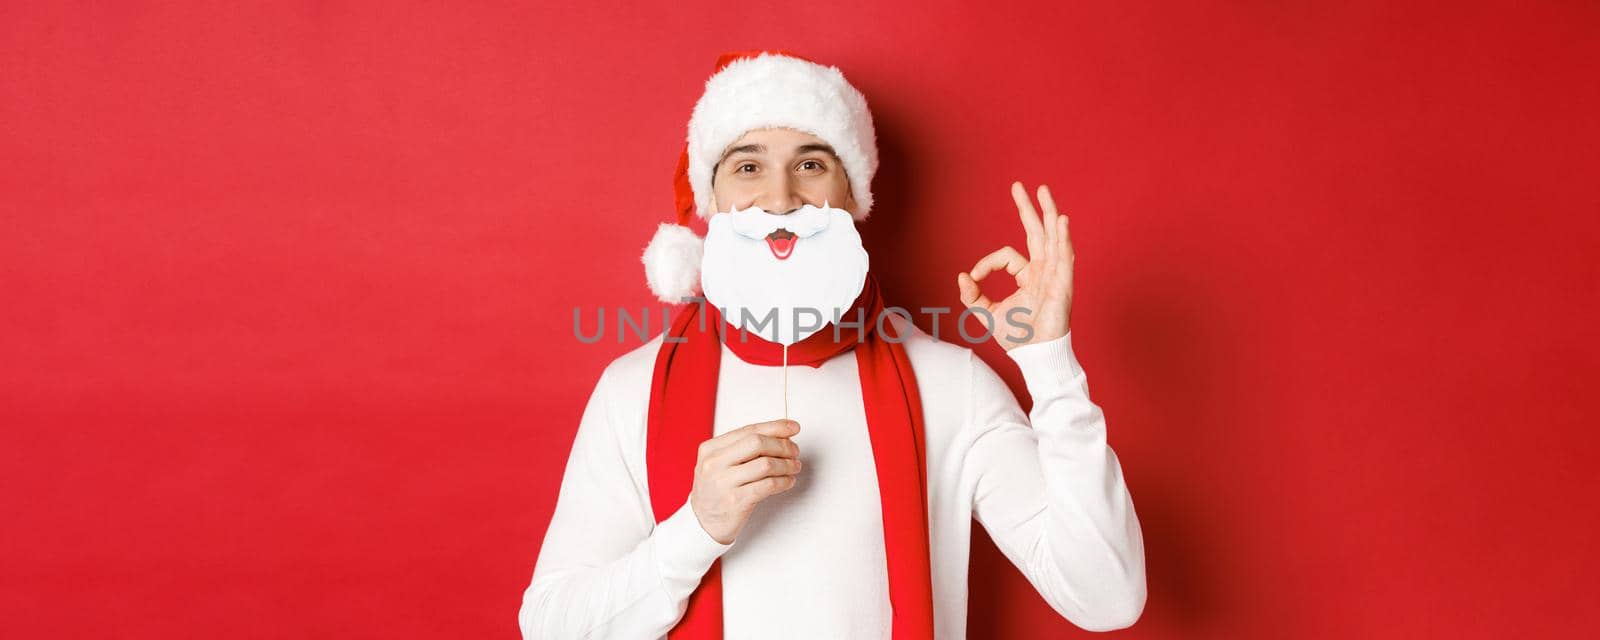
{"x": 672, "y": 262}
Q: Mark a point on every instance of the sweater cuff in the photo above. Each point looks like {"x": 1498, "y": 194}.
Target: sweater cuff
{"x": 684, "y": 550}
{"x": 1048, "y": 368}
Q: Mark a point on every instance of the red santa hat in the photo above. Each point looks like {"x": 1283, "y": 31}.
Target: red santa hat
{"x": 755, "y": 90}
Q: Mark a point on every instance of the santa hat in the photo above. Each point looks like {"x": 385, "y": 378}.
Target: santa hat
{"x": 756, "y": 90}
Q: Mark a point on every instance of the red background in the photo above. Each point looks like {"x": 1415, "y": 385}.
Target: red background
{"x": 287, "y": 293}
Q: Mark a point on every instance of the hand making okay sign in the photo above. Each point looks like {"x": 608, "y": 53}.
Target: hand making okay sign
{"x": 1043, "y": 299}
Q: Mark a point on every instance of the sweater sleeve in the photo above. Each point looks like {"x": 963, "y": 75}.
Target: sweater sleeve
{"x": 1049, "y": 489}
{"x": 606, "y": 569}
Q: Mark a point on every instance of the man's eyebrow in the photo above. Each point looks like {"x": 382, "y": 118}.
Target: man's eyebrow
{"x": 745, "y": 148}
{"x": 805, "y": 148}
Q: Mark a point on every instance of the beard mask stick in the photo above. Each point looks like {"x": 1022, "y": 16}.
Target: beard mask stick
{"x": 757, "y": 265}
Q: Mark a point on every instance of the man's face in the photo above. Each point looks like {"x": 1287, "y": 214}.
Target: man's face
{"x": 780, "y": 170}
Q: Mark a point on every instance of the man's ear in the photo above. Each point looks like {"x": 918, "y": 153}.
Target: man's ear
{"x": 850, "y": 203}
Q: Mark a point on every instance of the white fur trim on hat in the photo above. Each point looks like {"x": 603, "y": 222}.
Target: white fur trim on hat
{"x": 672, "y": 262}
{"x": 772, "y": 90}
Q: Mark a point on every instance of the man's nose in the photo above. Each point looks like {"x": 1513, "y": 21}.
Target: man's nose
{"x": 782, "y": 199}
{"x": 781, "y": 206}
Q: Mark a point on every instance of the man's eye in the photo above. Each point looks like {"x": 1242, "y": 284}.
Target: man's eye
{"x": 819, "y": 165}
{"x": 743, "y": 166}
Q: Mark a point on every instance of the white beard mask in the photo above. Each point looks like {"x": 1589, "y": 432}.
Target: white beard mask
{"x": 759, "y": 268}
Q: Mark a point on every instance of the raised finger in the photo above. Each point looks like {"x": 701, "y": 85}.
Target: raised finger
{"x": 1048, "y": 203}
{"x": 1064, "y": 240}
{"x": 1030, "y": 219}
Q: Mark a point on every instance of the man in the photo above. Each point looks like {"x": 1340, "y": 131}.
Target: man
{"x": 691, "y": 508}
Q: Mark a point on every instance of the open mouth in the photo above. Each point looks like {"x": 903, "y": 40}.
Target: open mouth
{"x": 782, "y": 243}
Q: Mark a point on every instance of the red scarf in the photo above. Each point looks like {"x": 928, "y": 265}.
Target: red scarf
{"x": 683, "y": 395}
